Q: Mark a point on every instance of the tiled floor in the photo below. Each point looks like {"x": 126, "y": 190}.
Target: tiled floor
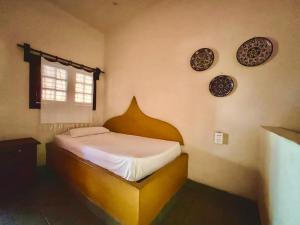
{"x": 51, "y": 203}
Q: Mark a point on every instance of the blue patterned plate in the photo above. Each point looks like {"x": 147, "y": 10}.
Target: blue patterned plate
{"x": 221, "y": 86}
{"x": 255, "y": 51}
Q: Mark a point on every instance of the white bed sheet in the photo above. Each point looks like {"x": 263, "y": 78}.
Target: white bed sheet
{"x": 131, "y": 157}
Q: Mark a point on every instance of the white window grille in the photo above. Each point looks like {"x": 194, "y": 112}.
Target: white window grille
{"x": 67, "y": 94}
{"x": 84, "y": 88}
{"x": 54, "y": 83}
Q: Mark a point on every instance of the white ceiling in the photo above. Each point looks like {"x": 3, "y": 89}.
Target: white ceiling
{"x": 104, "y": 15}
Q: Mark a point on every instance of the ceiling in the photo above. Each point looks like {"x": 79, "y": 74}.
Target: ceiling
{"x": 104, "y": 15}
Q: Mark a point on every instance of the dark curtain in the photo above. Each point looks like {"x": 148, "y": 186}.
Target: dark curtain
{"x": 96, "y": 76}
{"x": 34, "y": 82}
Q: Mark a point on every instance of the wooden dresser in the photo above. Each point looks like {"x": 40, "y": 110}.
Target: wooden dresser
{"x": 18, "y": 161}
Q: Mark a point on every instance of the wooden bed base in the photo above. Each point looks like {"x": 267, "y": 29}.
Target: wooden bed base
{"x": 129, "y": 203}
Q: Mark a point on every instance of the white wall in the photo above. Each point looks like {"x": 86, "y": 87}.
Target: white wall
{"x": 48, "y": 28}
{"x": 279, "y": 199}
{"x": 149, "y": 58}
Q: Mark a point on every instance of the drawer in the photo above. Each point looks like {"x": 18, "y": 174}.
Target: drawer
{"x": 17, "y": 165}
{"x": 17, "y": 157}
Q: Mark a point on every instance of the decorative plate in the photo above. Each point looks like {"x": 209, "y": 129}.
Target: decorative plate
{"x": 202, "y": 59}
{"x": 255, "y": 51}
{"x": 221, "y": 86}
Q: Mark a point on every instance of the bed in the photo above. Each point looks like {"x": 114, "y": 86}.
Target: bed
{"x": 130, "y": 172}
{"x": 130, "y": 157}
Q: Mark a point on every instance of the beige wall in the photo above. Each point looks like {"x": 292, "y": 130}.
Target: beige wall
{"x": 149, "y": 58}
{"x": 279, "y": 200}
{"x": 48, "y": 28}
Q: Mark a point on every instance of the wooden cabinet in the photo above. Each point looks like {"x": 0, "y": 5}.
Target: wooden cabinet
{"x": 18, "y": 161}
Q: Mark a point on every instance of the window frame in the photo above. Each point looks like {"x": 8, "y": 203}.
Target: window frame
{"x": 67, "y": 80}
{"x": 84, "y": 84}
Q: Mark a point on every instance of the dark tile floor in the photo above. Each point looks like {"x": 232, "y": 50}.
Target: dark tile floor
{"x": 50, "y": 202}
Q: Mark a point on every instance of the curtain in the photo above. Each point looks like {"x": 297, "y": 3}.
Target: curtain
{"x": 34, "y": 82}
{"x": 34, "y": 61}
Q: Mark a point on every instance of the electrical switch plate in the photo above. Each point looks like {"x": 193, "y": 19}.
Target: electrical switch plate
{"x": 219, "y": 137}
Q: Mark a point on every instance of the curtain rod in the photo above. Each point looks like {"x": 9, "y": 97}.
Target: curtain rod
{"x": 59, "y": 59}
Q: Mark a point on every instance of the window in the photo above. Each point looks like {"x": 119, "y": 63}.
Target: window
{"x": 54, "y": 83}
{"x": 67, "y": 94}
{"x": 84, "y": 88}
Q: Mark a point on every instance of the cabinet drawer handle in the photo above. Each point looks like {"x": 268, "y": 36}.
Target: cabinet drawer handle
{"x": 19, "y": 150}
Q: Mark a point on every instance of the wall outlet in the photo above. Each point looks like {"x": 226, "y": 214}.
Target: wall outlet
{"x": 219, "y": 137}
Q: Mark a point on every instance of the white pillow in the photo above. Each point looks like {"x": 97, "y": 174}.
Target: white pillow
{"x": 86, "y": 131}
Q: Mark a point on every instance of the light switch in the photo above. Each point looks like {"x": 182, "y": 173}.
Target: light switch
{"x": 219, "y": 137}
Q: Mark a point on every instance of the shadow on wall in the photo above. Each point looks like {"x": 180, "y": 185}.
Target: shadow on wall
{"x": 291, "y": 116}
{"x": 275, "y": 49}
{"x": 218, "y": 172}
{"x": 262, "y": 206}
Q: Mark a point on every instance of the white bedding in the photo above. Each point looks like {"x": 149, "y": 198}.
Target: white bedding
{"x": 131, "y": 157}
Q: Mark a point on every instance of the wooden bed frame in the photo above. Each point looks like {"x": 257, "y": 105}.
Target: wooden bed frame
{"x": 129, "y": 203}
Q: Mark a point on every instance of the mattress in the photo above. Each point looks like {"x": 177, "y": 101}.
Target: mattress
{"x": 128, "y": 156}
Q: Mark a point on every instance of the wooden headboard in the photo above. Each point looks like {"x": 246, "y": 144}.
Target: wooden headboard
{"x": 135, "y": 122}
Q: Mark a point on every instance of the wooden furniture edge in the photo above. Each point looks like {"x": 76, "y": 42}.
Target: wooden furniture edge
{"x": 130, "y": 203}
{"x": 161, "y": 187}
{"x": 19, "y": 141}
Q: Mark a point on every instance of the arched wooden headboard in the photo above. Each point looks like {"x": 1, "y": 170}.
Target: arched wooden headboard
{"x": 135, "y": 122}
